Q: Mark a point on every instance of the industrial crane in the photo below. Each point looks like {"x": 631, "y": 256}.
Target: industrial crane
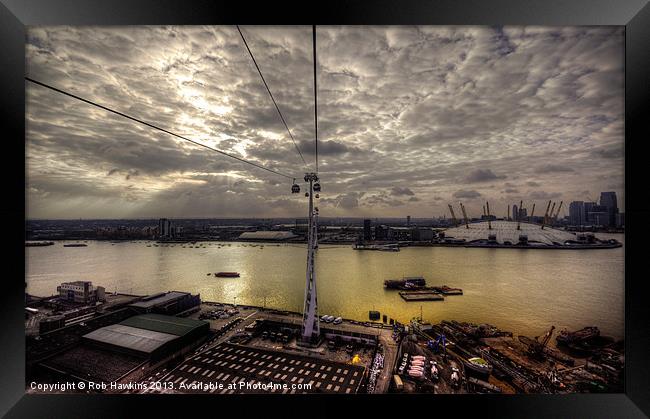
{"x": 453, "y": 216}
{"x": 536, "y": 346}
{"x": 462, "y": 208}
{"x": 546, "y": 214}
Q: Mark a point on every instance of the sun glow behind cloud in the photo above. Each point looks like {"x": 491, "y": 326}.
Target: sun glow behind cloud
{"x": 436, "y": 111}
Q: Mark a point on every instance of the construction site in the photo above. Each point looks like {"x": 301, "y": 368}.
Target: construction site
{"x": 454, "y": 357}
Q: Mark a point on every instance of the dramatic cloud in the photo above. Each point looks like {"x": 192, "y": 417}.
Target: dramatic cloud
{"x": 543, "y": 195}
{"x": 399, "y": 191}
{"x": 482, "y": 175}
{"x": 467, "y": 194}
{"x": 409, "y": 119}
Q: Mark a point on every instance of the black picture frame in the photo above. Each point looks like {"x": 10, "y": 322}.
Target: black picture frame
{"x": 633, "y": 14}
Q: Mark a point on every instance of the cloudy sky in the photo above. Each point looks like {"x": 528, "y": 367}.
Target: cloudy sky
{"x": 410, "y": 119}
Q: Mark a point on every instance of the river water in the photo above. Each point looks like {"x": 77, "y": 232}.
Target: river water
{"x": 524, "y": 291}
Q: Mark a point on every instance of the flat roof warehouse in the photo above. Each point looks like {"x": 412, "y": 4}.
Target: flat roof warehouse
{"x": 148, "y": 334}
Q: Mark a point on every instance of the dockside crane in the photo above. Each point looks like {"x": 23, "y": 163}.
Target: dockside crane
{"x": 462, "y": 208}
{"x": 488, "y": 215}
{"x": 536, "y": 347}
{"x": 521, "y": 203}
{"x": 453, "y": 216}
{"x": 546, "y": 214}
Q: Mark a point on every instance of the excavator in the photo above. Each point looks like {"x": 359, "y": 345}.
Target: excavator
{"x": 536, "y": 346}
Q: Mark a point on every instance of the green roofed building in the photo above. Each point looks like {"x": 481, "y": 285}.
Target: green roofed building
{"x": 152, "y": 336}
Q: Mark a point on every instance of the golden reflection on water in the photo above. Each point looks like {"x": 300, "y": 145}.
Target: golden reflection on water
{"x": 524, "y": 291}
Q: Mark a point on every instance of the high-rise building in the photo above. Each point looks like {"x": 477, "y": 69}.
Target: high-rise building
{"x": 620, "y": 219}
{"x": 166, "y": 229}
{"x": 515, "y": 213}
{"x": 608, "y": 200}
{"x": 577, "y": 213}
{"x": 408, "y": 220}
{"x": 381, "y": 232}
{"x": 599, "y": 215}
{"x": 523, "y": 213}
{"x": 367, "y": 230}
{"x": 588, "y": 208}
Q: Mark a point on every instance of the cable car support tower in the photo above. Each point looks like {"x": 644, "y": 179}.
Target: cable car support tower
{"x": 310, "y": 321}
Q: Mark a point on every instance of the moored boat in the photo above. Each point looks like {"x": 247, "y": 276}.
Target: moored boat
{"x": 227, "y": 274}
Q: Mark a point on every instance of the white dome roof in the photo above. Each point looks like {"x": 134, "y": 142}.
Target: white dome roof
{"x": 507, "y": 231}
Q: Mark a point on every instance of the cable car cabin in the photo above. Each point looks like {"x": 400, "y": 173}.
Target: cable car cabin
{"x": 316, "y": 187}
{"x": 307, "y": 194}
{"x": 295, "y": 188}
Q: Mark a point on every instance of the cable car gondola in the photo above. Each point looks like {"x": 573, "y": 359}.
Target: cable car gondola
{"x": 295, "y": 188}
{"x": 316, "y": 187}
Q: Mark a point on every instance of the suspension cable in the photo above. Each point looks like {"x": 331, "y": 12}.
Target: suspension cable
{"x": 155, "y": 127}
{"x": 271, "y": 95}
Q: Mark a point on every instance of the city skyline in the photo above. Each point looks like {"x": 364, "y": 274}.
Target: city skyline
{"x": 410, "y": 119}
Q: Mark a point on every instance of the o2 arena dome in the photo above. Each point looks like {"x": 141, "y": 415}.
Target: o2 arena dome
{"x": 506, "y": 234}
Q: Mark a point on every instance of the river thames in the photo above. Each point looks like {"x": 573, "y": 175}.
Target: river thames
{"x": 524, "y": 291}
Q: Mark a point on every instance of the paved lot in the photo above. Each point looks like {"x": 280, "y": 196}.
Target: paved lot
{"x": 246, "y": 368}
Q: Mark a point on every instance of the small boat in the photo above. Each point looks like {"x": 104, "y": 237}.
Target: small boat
{"x": 75, "y": 245}
{"x": 209, "y": 273}
{"x": 37, "y": 243}
{"x": 227, "y": 274}
{"x": 479, "y": 366}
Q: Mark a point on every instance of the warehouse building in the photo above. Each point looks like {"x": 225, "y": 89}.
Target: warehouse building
{"x": 127, "y": 350}
{"x": 152, "y": 336}
{"x": 169, "y": 303}
{"x": 267, "y": 235}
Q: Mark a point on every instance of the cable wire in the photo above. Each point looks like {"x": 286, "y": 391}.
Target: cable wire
{"x": 155, "y": 127}
{"x": 271, "y": 94}
{"x": 315, "y": 97}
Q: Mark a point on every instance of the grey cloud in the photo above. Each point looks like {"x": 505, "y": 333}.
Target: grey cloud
{"x": 471, "y": 194}
{"x": 400, "y": 191}
{"x": 482, "y": 175}
{"x": 419, "y": 107}
{"x": 543, "y": 195}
